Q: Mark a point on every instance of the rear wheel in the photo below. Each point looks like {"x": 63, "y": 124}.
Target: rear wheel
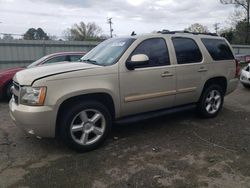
{"x": 85, "y": 125}
{"x": 211, "y": 101}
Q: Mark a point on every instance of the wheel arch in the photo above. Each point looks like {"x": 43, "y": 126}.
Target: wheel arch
{"x": 219, "y": 80}
{"x": 104, "y": 98}
{"x": 5, "y": 86}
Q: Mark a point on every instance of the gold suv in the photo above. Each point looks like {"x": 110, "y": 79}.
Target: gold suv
{"x": 124, "y": 79}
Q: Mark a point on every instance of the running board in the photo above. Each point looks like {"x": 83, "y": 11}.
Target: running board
{"x": 153, "y": 114}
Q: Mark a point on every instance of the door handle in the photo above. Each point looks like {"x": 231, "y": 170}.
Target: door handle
{"x": 166, "y": 74}
{"x": 202, "y": 69}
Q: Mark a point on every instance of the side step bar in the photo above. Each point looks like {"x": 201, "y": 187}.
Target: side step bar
{"x": 154, "y": 114}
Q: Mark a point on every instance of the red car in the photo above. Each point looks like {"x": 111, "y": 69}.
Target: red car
{"x": 7, "y": 74}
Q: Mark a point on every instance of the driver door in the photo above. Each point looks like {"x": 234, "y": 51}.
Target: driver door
{"x": 148, "y": 87}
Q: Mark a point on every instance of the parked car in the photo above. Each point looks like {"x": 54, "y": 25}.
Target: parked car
{"x": 121, "y": 80}
{"x": 7, "y": 75}
{"x": 242, "y": 58}
{"x": 245, "y": 76}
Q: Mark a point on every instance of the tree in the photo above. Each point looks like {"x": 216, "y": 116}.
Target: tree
{"x": 7, "y": 37}
{"x": 228, "y": 34}
{"x": 245, "y": 4}
{"x": 35, "y": 34}
{"x": 241, "y": 34}
{"x": 82, "y": 31}
{"x": 197, "y": 28}
{"x": 236, "y": 34}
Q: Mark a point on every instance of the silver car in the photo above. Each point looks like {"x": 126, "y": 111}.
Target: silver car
{"x": 245, "y": 76}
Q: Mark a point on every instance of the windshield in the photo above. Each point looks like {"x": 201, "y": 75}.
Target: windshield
{"x": 37, "y": 61}
{"x": 108, "y": 52}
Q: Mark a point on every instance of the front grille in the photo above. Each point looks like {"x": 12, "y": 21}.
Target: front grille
{"x": 15, "y": 92}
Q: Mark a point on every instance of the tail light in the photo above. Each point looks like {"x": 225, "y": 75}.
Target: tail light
{"x": 237, "y": 71}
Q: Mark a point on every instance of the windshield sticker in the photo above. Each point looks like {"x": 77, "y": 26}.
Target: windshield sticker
{"x": 118, "y": 43}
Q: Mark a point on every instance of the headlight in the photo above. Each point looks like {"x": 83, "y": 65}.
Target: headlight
{"x": 33, "y": 96}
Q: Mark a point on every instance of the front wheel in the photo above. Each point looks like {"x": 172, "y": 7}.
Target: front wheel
{"x": 85, "y": 125}
{"x": 211, "y": 101}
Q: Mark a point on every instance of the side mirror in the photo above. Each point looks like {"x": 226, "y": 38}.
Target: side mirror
{"x": 137, "y": 60}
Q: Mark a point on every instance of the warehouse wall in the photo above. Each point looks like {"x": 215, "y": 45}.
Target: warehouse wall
{"x": 16, "y": 53}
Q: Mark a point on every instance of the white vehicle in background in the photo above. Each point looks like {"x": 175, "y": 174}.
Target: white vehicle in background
{"x": 245, "y": 76}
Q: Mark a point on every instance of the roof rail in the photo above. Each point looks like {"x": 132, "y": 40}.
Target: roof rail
{"x": 194, "y": 33}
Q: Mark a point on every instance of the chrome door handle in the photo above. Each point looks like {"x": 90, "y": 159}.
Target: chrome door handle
{"x": 166, "y": 74}
{"x": 202, "y": 69}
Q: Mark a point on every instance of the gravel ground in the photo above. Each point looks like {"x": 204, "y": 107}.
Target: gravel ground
{"x": 179, "y": 150}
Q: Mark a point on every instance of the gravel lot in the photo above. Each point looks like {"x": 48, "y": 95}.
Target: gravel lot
{"x": 180, "y": 150}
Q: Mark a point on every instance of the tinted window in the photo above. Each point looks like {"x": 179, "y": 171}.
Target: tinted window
{"x": 186, "y": 50}
{"x": 156, "y": 50}
{"x": 56, "y": 59}
{"x": 75, "y": 57}
{"x": 218, "y": 49}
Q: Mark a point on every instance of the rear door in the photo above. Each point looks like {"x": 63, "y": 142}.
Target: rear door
{"x": 190, "y": 69}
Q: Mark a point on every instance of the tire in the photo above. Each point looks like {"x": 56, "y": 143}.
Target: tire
{"x": 211, "y": 101}
{"x": 246, "y": 86}
{"x": 8, "y": 93}
{"x": 84, "y": 126}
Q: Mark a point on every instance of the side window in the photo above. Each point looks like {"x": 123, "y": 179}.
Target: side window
{"x": 74, "y": 58}
{"x": 156, "y": 50}
{"x": 187, "y": 51}
{"x": 218, "y": 49}
{"x": 56, "y": 59}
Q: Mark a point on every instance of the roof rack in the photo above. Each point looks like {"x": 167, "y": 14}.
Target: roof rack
{"x": 194, "y": 33}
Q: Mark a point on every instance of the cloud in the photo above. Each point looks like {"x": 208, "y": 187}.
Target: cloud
{"x": 140, "y": 15}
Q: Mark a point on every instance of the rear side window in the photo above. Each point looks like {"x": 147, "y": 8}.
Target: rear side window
{"x": 218, "y": 49}
{"x": 74, "y": 58}
{"x": 57, "y": 59}
{"x": 187, "y": 51}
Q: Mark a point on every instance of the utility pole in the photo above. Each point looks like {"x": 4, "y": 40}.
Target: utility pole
{"x": 248, "y": 32}
{"x": 0, "y": 33}
{"x": 109, "y": 21}
{"x": 216, "y": 27}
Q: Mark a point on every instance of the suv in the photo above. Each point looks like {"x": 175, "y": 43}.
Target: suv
{"x": 124, "y": 79}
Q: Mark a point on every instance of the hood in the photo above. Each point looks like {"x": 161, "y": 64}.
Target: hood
{"x": 11, "y": 70}
{"x": 28, "y": 76}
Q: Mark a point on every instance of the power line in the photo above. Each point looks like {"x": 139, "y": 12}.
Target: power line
{"x": 14, "y": 34}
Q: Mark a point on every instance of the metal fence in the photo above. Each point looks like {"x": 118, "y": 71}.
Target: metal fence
{"x": 241, "y": 49}
{"x": 16, "y": 53}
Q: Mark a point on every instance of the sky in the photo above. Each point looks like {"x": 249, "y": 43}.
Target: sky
{"x": 141, "y": 16}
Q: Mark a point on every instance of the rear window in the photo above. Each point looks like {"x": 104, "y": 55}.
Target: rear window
{"x": 218, "y": 49}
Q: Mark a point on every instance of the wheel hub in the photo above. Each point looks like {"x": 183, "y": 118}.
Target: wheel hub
{"x": 213, "y": 102}
{"x": 87, "y": 126}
